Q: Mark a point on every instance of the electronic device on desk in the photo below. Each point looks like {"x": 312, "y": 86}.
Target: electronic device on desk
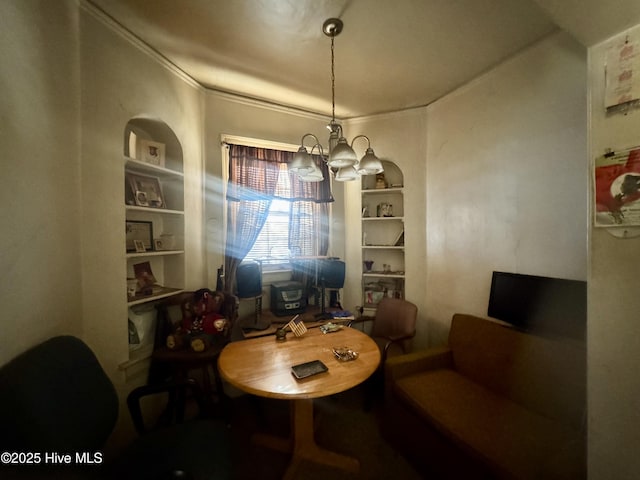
{"x": 288, "y": 298}
{"x": 331, "y": 273}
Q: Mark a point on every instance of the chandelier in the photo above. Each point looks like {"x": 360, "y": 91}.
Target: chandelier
{"x": 342, "y": 159}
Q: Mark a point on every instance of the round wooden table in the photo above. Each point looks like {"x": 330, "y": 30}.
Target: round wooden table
{"x": 262, "y": 366}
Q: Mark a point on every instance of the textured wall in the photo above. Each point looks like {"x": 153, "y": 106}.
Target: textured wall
{"x": 507, "y": 179}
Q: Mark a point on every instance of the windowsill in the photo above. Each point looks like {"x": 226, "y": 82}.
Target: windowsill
{"x": 276, "y": 275}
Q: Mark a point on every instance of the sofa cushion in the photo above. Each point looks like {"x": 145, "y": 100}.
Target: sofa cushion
{"x": 544, "y": 374}
{"x": 514, "y": 441}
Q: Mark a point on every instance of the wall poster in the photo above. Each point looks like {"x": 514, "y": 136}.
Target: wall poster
{"x": 617, "y": 188}
{"x": 622, "y": 73}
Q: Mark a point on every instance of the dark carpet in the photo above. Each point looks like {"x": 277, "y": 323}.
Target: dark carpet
{"x": 346, "y": 423}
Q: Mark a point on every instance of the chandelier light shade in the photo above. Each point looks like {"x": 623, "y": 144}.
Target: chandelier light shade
{"x": 342, "y": 155}
{"x": 342, "y": 158}
{"x": 302, "y": 163}
{"x": 346, "y": 174}
{"x": 314, "y": 176}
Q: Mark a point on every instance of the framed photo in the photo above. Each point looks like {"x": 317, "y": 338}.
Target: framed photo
{"x": 145, "y": 277}
{"x": 145, "y": 191}
{"x": 157, "y": 244}
{"x": 139, "y": 244}
{"x": 150, "y": 152}
{"x": 399, "y": 242}
{"x": 139, "y": 234}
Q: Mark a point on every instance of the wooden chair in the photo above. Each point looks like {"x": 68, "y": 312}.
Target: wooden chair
{"x": 393, "y": 326}
{"x": 170, "y": 364}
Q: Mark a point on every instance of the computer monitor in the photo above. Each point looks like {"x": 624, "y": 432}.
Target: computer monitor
{"x": 331, "y": 273}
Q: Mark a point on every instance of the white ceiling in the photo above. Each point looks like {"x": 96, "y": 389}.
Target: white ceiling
{"x": 392, "y": 54}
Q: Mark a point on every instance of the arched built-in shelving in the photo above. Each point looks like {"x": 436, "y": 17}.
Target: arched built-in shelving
{"x": 153, "y": 202}
{"x": 383, "y": 262}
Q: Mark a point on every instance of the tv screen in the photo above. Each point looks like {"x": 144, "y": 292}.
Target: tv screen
{"x": 542, "y": 305}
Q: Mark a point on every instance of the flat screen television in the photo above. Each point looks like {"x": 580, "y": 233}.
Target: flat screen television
{"x": 541, "y": 305}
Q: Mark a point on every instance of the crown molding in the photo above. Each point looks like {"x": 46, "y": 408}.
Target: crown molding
{"x": 127, "y": 35}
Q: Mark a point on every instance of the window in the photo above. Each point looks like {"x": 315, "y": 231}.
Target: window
{"x": 275, "y": 243}
{"x": 273, "y": 240}
{"x": 272, "y": 214}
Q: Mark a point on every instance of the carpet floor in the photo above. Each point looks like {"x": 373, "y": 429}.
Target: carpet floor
{"x": 342, "y": 424}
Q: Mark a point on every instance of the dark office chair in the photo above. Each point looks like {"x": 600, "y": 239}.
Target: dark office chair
{"x": 393, "y": 326}
{"x": 56, "y": 398}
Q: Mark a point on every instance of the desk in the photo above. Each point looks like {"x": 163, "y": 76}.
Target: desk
{"x": 262, "y": 366}
{"x": 308, "y": 317}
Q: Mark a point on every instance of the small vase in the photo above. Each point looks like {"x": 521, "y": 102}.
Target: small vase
{"x": 367, "y": 265}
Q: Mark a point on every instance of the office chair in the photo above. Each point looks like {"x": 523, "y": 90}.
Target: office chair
{"x": 56, "y": 398}
{"x": 394, "y": 324}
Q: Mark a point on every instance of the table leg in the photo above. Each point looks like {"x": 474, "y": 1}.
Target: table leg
{"x": 302, "y": 442}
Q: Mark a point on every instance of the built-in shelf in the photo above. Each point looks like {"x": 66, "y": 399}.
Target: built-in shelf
{"x": 382, "y": 244}
{"x": 163, "y": 293}
{"x": 382, "y": 191}
{"x": 150, "y": 210}
{"x": 150, "y": 169}
{"x": 378, "y": 219}
{"x": 383, "y": 275}
{"x": 158, "y": 253}
{"x": 161, "y": 180}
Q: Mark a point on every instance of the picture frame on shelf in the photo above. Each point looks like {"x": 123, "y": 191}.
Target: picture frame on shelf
{"x": 138, "y": 233}
{"x": 158, "y": 245}
{"x": 145, "y": 190}
{"x": 144, "y": 276}
{"x": 399, "y": 241}
{"x": 139, "y": 244}
{"x": 150, "y": 152}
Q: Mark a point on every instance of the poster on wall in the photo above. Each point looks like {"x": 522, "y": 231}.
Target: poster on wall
{"x": 622, "y": 73}
{"x": 617, "y": 188}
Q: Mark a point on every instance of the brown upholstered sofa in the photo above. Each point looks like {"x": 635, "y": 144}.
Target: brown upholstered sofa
{"x": 494, "y": 403}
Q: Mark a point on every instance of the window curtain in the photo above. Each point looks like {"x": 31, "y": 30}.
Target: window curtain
{"x": 309, "y": 217}
{"x": 253, "y": 176}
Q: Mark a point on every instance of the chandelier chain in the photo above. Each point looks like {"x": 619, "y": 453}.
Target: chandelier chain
{"x": 342, "y": 159}
{"x": 333, "y": 83}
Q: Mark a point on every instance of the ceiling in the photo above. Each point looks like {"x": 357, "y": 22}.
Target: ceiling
{"x": 392, "y": 54}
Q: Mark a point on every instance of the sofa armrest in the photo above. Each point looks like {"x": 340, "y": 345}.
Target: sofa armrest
{"x": 401, "y": 366}
{"x": 404, "y": 365}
